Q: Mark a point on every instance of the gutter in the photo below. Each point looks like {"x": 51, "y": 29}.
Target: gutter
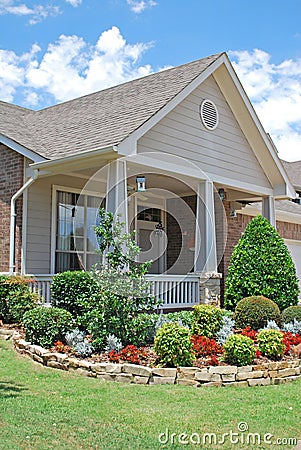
{"x": 13, "y": 220}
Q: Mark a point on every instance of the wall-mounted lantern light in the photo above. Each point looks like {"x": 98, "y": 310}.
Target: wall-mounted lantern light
{"x": 140, "y": 184}
{"x": 222, "y": 194}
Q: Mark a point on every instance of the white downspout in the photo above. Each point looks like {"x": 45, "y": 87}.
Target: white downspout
{"x": 13, "y": 220}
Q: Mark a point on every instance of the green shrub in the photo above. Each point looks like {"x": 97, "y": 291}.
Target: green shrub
{"x": 15, "y": 298}
{"x": 289, "y": 314}
{"x": 207, "y": 320}
{"x": 143, "y": 329}
{"x": 173, "y": 346}
{"x": 44, "y": 326}
{"x": 70, "y": 289}
{"x": 182, "y": 317}
{"x": 239, "y": 350}
{"x": 255, "y": 312}
{"x": 270, "y": 343}
{"x": 261, "y": 264}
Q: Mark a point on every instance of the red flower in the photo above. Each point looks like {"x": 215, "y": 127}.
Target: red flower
{"x": 252, "y": 334}
{"x": 113, "y": 356}
{"x": 204, "y": 346}
{"x": 290, "y": 339}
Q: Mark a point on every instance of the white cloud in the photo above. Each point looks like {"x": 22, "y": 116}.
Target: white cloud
{"x": 138, "y": 6}
{"x": 275, "y": 91}
{"x": 70, "y": 68}
{"x": 74, "y": 3}
{"x": 35, "y": 13}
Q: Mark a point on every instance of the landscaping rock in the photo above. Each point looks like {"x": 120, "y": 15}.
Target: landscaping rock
{"x": 213, "y": 383}
{"x": 227, "y": 377}
{"x": 284, "y": 380}
{"x": 259, "y": 382}
{"x": 237, "y": 383}
{"x": 84, "y": 364}
{"x": 248, "y": 375}
{"x": 135, "y": 369}
{"x": 188, "y": 382}
{"x": 124, "y": 378}
{"x": 162, "y": 380}
{"x": 37, "y": 358}
{"x": 164, "y": 372}
{"x": 204, "y": 376}
{"x": 286, "y": 372}
{"x": 106, "y": 376}
{"x": 244, "y": 369}
{"x": 98, "y": 367}
{"x": 141, "y": 380}
{"x": 73, "y": 363}
{"x": 113, "y": 368}
{"x": 223, "y": 370}
{"x": 22, "y": 344}
{"x": 57, "y": 365}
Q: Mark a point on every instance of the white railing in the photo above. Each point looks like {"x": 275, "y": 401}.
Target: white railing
{"x": 41, "y": 285}
{"x": 176, "y": 291}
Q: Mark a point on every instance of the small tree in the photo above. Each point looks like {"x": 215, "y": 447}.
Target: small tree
{"x": 123, "y": 290}
{"x": 261, "y": 264}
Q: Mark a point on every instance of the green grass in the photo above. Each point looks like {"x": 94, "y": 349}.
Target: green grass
{"x": 42, "y": 408}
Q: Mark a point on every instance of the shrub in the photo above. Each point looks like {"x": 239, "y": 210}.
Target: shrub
{"x": 270, "y": 343}
{"x": 204, "y": 346}
{"x": 70, "y": 289}
{"x": 255, "y": 312}
{"x": 142, "y": 329}
{"x": 44, "y": 326}
{"x": 15, "y": 298}
{"x": 291, "y": 313}
{"x": 239, "y": 350}
{"x": 173, "y": 345}
{"x": 207, "y": 320}
{"x": 261, "y": 264}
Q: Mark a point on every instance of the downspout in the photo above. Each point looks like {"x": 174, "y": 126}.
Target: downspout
{"x": 13, "y": 220}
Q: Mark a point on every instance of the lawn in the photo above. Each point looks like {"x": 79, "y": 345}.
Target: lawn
{"x": 42, "y": 408}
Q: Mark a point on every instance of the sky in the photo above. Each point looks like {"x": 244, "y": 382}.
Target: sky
{"x": 55, "y": 50}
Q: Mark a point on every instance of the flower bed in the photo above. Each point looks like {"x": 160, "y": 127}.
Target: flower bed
{"x": 223, "y": 375}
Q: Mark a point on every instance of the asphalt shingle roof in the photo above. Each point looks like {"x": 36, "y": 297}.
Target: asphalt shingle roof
{"x": 293, "y": 170}
{"x": 97, "y": 120}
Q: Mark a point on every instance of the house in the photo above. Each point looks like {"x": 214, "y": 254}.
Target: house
{"x": 181, "y": 155}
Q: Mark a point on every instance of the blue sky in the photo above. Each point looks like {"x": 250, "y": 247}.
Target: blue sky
{"x": 55, "y": 50}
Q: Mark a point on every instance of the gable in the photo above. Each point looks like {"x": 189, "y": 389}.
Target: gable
{"x": 224, "y": 154}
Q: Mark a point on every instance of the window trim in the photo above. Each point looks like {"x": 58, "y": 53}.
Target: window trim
{"x": 68, "y": 190}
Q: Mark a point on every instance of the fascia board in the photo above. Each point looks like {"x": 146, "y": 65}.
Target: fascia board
{"x": 10, "y": 143}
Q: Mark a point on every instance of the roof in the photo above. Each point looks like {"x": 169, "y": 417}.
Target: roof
{"x": 100, "y": 119}
{"x": 293, "y": 170}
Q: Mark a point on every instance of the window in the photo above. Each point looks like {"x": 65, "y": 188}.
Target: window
{"x": 75, "y": 240}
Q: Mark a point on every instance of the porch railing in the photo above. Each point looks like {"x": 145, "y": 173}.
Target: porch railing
{"x": 176, "y": 291}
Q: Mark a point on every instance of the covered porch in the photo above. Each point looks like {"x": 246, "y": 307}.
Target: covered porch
{"x": 176, "y": 210}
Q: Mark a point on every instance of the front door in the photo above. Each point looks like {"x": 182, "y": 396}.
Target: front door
{"x": 152, "y": 239}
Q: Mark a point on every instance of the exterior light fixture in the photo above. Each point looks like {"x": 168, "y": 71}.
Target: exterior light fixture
{"x": 140, "y": 184}
{"x": 222, "y": 194}
{"x": 159, "y": 228}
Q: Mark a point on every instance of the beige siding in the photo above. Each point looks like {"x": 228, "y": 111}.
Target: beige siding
{"x": 39, "y": 207}
{"x": 223, "y": 152}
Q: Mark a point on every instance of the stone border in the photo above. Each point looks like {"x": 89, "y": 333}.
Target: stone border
{"x": 259, "y": 375}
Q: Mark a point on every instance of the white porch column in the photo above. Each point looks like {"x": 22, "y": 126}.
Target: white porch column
{"x": 116, "y": 196}
{"x": 268, "y": 209}
{"x": 205, "y": 240}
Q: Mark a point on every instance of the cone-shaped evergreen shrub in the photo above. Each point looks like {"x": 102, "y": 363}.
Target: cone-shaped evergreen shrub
{"x": 261, "y": 264}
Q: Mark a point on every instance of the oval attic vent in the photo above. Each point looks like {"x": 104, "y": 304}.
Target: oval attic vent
{"x": 209, "y": 114}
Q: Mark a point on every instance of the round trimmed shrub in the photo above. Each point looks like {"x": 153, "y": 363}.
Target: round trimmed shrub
{"x": 270, "y": 343}
{"x": 70, "y": 289}
{"x": 239, "y": 350}
{"x": 255, "y": 312}
{"x": 207, "y": 320}
{"x": 173, "y": 345}
{"x": 291, "y": 313}
{"x": 261, "y": 264}
{"x": 44, "y": 326}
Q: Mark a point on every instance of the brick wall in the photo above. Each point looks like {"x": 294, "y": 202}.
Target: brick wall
{"x": 11, "y": 179}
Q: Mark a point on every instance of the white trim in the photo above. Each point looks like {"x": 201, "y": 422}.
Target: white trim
{"x": 281, "y": 216}
{"x": 13, "y": 145}
{"x": 74, "y": 157}
{"x": 24, "y": 224}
